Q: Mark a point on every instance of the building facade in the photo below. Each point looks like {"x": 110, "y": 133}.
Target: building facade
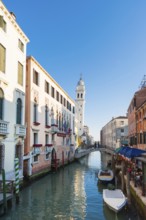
{"x": 13, "y": 45}
{"x": 50, "y": 119}
{"x": 115, "y": 133}
{"x": 137, "y": 100}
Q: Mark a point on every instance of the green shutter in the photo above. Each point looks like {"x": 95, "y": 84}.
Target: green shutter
{"x": 1, "y": 22}
{"x": 20, "y": 74}
{"x": 2, "y": 58}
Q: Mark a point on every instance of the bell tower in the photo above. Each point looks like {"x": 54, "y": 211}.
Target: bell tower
{"x": 80, "y": 104}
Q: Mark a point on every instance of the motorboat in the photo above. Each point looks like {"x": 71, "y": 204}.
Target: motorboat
{"x": 114, "y": 199}
{"x": 105, "y": 175}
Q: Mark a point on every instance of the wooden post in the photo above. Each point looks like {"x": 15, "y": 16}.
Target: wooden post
{"x": 122, "y": 177}
{"x": 63, "y": 158}
{"x": 128, "y": 187}
{"x": 144, "y": 179}
{"x": 4, "y": 191}
{"x": 55, "y": 162}
{"x": 17, "y": 179}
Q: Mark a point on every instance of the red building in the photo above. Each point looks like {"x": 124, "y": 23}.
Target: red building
{"x": 135, "y": 118}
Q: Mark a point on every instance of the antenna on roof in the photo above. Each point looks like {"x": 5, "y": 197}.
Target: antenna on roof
{"x": 143, "y": 82}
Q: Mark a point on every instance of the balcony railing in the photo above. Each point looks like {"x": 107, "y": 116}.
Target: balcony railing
{"x": 47, "y": 126}
{"x": 54, "y": 128}
{"x": 20, "y": 130}
{"x": 49, "y": 148}
{"x": 37, "y": 148}
{"x": 36, "y": 123}
{"x": 3, "y": 128}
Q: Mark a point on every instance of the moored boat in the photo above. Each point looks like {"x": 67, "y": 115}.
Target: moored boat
{"x": 105, "y": 175}
{"x": 114, "y": 199}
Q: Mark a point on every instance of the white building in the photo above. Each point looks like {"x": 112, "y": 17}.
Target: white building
{"x": 50, "y": 119}
{"x": 115, "y": 133}
{"x": 13, "y": 43}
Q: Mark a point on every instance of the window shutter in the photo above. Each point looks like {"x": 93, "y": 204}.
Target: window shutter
{"x": 20, "y": 74}
{"x": 1, "y": 22}
{"x": 2, "y": 58}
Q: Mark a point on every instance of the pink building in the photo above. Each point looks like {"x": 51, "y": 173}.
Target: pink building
{"x": 50, "y": 120}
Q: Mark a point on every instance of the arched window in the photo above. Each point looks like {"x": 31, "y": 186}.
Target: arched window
{"x": 1, "y": 103}
{"x": 19, "y": 111}
{"x": 81, "y": 95}
{"x": 78, "y": 95}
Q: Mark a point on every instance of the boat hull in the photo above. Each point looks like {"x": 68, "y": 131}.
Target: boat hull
{"x": 114, "y": 199}
{"x": 105, "y": 176}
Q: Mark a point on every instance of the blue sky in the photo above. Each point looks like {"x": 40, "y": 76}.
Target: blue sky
{"x": 105, "y": 40}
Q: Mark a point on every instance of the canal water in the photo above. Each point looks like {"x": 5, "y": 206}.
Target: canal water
{"x": 72, "y": 193}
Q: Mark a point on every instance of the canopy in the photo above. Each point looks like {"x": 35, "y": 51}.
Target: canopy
{"x": 129, "y": 152}
{"x": 124, "y": 150}
{"x": 134, "y": 152}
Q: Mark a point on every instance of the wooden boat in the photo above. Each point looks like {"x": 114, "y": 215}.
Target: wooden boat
{"x": 115, "y": 199}
{"x": 105, "y": 175}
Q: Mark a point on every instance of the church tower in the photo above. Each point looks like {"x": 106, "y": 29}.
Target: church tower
{"x": 80, "y": 105}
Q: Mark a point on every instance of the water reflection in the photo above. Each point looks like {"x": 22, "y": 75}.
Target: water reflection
{"x": 72, "y": 193}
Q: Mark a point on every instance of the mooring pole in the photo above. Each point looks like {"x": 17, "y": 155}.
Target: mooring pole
{"x": 128, "y": 187}
{"x": 4, "y": 191}
{"x": 17, "y": 179}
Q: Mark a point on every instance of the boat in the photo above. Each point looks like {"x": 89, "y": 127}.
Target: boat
{"x": 114, "y": 199}
{"x": 105, "y": 175}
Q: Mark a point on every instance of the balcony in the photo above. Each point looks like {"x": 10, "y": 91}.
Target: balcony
{"x": 36, "y": 148}
{"x": 47, "y": 126}
{"x": 49, "y": 148}
{"x": 20, "y": 130}
{"x": 61, "y": 134}
{"x": 54, "y": 128}
{"x": 36, "y": 123}
{"x": 49, "y": 145}
{"x": 3, "y": 128}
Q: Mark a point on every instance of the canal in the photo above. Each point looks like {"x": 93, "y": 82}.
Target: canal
{"x": 72, "y": 193}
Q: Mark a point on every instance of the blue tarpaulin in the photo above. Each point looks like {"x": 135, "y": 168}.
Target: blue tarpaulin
{"x": 130, "y": 152}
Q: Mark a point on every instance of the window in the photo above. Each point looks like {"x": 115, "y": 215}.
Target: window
{"x": 57, "y": 96}
{"x": 1, "y": 104}
{"x": 47, "y": 139}
{"x": 140, "y": 138}
{"x": 81, "y": 95}
{"x": 46, "y": 87}
{"x": 35, "y": 112}
{"x": 35, "y": 77}
{"x": 21, "y": 45}
{"x": 64, "y": 102}
{"x": 122, "y": 130}
{"x": 19, "y": 112}
{"x": 2, "y": 23}
{"x": 61, "y": 99}
{"x": 52, "y": 92}
{"x": 20, "y": 74}
{"x": 122, "y": 122}
{"x": 35, "y": 138}
{"x": 144, "y": 137}
{"x": 36, "y": 158}
{"x": 2, "y": 58}
{"x": 46, "y": 115}
{"x": 78, "y": 95}
{"x": 73, "y": 110}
